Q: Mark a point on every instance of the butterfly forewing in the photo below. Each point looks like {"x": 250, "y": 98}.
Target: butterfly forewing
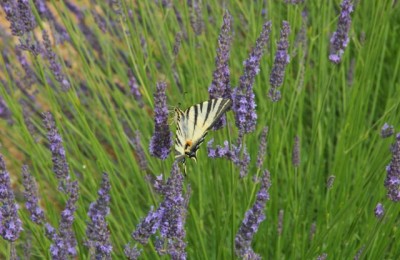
{"x": 194, "y": 122}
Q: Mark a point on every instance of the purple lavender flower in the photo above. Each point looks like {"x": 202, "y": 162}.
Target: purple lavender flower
{"x": 161, "y": 142}
{"x": 98, "y": 235}
{"x": 294, "y": 2}
{"x": 243, "y": 96}
{"x": 45, "y": 12}
{"x": 132, "y": 253}
{"x": 196, "y": 16}
{"x": 324, "y": 256}
{"x": 330, "y": 181}
{"x": 5, "y": 112}
{"x": 20, "y": 16}
{"x": 359, "y": 253}
{"x": 169, "y": 218}
{"x": 140, "y": 156}
{"x": 392, "y": 181}
{"x": 64, "y": 241}
{"x": 313, "y": 228}
{"x": 387, "y": 130}
{"x": 55, "y": 67}
{"x": 174, "y": 207}
{"x": 233, "y": 154}
{"x": 31, "y": 197}
{"x": 340, "y": 38}
{"x": 177, "y": 44}
{"x": 282, "y": 59}
{"x": 148, "y": 226}
{"x": 252, "y": 221}
{"x": 220, "y": 85}
{"x": 280, "y": 222}
{"x": 263, "y": 147}
{"x": 60, "y": 165}
{"x": 296, "y": 152}
{"x": 379, "y": 210}
{"x": 10, "y": 223}
{"x": 133, "y": 85}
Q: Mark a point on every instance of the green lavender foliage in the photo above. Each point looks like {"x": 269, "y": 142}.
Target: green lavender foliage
{"x": 336, "y": 110}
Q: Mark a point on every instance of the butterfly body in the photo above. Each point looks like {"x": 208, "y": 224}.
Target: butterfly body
{"x": 193, "y": 124}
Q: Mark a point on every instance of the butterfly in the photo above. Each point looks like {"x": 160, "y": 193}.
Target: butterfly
{"x": 192, "y": 126}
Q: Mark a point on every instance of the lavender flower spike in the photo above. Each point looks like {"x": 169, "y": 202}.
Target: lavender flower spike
{"x": 161, "y": 142}
{"x": 392, "y": 181}
{"x": 220, "y": 85}
{"x": 244, "y": 105}
{"x": 133, "y": 84}
{"x": 64, "y": 241}
{"x": 132, "y": 253}
{"x": 282, "y": 58}
{"x": 263, "y": 147}
{"x": 340, "y": 38}
{"x": 296, "y": 152}
{"x": 31, "y": 197}
{"x": 10, "y": 223}
{"x": 141, "y": 157}
{"x": 172, "y": 223}
{"x": 379, "y": 210}
{"x": 55, "y": 67}
{"x": 60, "y": 165}
{"x": 98, "y": 235}
{"x": 20, "y": 16}
{"x": 252, "y": 221}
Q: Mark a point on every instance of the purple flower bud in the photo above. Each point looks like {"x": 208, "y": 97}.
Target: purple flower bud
{"x": 263, "y": 148}
{"x": 340, "y": 38}
{"x": 196, "y": 16}
{"x": 64, "y": 241}
{"x": 234, "y": 154}
{"x": 174, "y": 207}
{"x": 60, "y": 165}
{"x": 177, "y": 44}
{"x": 330, "y": 181}
{"x": 10, "y": 223}
{"x": 5, "y": 112}
{"x": 55, "y": 67}
{"x": 359, "y": 253}
{"x": 98, "y": 235}
{"x": 296, "y": 152}
{"x": 324, "y": 256}
{"x": 392, "y": 181}
{"x": 379, "y": 210}
{"x": 387, "y": 130}
{"x": 280, "y": 222}
{"x": 31, "y": 196}
{"x": 161, "y": 142}
{"x": 244, "y": 105}
{"x": 148, "y": 226}
{"x": 313, "y": 228}
{"x": 282, "y": 58}
{"x": 139, "y": 152}
{"x": 220, "y": 85}
{"x": 132, "y": 253}
{"x": 252, "y": 221}
{"x": 294, "y": 2}
{"x": 133, "y": 85}
{"x": 20, "y": 16}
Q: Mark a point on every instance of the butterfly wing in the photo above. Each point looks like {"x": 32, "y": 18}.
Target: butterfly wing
{"x": 193, "y": 124}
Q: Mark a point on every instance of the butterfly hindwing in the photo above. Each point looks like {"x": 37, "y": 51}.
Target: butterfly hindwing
{"x": 193, "y": 125}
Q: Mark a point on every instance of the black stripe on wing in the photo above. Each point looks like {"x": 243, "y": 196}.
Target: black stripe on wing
{"x": 224, "y": 105}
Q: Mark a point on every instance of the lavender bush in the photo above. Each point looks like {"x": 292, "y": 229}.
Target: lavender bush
{"x": 112, "y": 72}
